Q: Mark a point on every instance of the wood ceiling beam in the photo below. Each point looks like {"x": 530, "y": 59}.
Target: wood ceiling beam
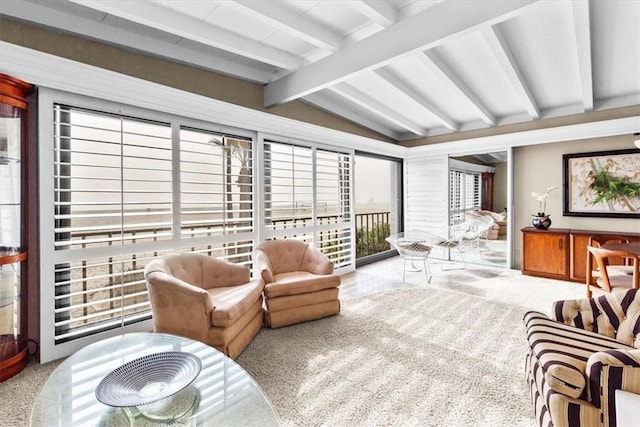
{"x": 582, "y": 28}
{"x": 365, "y": 101}
{"x": 403, "y": 87}
{"x": 284, "y": 19}
{"x": 425, "y": 30}
{"x": 167, "y": 20}
{"x": 507, "y": 62}
{"x": 378, "y": 11}
{"x": 43, "y": 15}
{"x": 449, "y": 77}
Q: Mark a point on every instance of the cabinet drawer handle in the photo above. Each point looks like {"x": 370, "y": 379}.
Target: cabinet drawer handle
{"x": 560, "y": 245}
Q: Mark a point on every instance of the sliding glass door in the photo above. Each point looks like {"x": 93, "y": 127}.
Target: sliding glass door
{"x": 378, "y": 202}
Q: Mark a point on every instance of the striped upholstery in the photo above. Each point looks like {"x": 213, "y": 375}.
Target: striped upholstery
{"x": 615, "y": 315}
{"x": 576, "y": 362}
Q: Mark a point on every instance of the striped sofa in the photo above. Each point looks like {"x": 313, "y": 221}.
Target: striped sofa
{"x": 579, "y": 358}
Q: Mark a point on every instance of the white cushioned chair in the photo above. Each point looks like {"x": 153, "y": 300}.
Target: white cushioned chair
{"x": 206, "y": 299}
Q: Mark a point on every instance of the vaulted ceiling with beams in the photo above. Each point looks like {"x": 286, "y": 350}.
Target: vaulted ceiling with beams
{"x": 404, "y": 68}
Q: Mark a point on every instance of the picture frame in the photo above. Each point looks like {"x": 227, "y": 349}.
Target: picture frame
{"x": 602, "y": 184}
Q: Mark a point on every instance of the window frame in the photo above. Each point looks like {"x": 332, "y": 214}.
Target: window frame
{"x": 49, "y": 257}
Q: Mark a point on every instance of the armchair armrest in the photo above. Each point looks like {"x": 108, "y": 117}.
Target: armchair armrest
{"x": 611, "y": 370}
{"x": 262, "y": 266}
{"x": 178, "y": 303}
{"x": 316, "y": 262}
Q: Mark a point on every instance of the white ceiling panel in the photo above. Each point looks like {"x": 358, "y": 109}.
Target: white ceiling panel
{"x": 404, "y": 68}
{"x": 387, "y": 94}
{"x": 284, "y": 41}
{"x": 472, "y": 58}
{"x": 616, "y": 47}
{"x": 428, "y": 85}
{"x": 197, "y": 9}
{"x": 237, "y": 22}
{"x": 546, "y": 54}
{"x": 338, "y": 16}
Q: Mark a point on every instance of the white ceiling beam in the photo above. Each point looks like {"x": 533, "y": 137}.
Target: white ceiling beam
{"x": 284, "y": 19}
{"x": 508, "y": 64}
{"x": 582, "y": 28}
{"x": 319, "y": 100}
{"x": 378, "y": 11}
{"x": 449, "y": 77}
{"x": 165, "y": 19}
{"x": 77, "y": 25}
{"x": 365, "y": 101}
{"x": 425, "y": 30}
{"x": 403, "y": 87}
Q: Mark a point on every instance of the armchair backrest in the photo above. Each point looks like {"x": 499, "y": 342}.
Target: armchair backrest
{"x": 200, "y": 270}
{"x": 615, "y": 315}
{"x": 286, "y": 255}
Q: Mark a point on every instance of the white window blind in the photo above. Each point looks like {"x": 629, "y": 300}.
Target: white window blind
{"x": 288, "y": 188}
{"x": 464, "y": 191}
{"x": 307, "y": 196}
{"x": 216, "y": 183}
{"x": 113, "y": 188}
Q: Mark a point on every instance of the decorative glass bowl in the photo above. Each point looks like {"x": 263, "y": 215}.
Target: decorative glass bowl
{"x": 148, "y": 379}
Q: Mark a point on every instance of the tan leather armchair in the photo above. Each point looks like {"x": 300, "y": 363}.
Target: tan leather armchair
{"x": 299, "y": 282}
{"x": 206, "y": 299}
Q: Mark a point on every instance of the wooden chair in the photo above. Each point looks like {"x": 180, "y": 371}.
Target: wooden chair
{"x": 598, "y": 241}
{"x": 609, "y": 278}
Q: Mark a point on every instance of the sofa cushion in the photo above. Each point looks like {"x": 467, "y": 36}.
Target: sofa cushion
{"x": 563, "y": 351}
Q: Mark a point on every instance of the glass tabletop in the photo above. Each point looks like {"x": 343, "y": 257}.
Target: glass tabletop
{"x": 222, "y": 394}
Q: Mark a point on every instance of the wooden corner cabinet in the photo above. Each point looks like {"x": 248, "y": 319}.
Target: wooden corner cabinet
{"x": 545, "y": 253}
{"x": 13, "y": 231}
{"x": 560, "y": 253}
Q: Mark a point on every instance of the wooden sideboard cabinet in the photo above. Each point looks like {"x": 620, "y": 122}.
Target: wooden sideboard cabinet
{"x": 545, "y": 253}
{"x": 560, "y": 253}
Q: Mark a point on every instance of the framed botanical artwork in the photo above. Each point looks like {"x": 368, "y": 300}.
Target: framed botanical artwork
{"x": 602, "y": 184}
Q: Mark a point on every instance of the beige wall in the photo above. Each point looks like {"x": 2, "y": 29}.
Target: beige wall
{"x": 538, "y": 167}
{"x": 500, "y": 187}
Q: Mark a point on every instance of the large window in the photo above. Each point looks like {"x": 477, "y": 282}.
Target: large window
{"x": 216, "y": 191}
{"x": 125, "y": 190}
{"x": 121, "y": 186}
{"x": 113, "y": 188}
{"x": 307, "y": 195}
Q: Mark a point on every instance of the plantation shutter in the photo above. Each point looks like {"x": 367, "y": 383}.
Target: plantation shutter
{"x": 464, "y": 190}
{"x": 288, "y": 193}
{"x": 307, "y": 196}
{"x": 427, "y": 194}
{"x": 112, "y": 189}
{"x": 216, "y": 183}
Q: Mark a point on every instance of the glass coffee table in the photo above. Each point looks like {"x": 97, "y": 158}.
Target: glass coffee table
{"x": 222, "y": 394}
